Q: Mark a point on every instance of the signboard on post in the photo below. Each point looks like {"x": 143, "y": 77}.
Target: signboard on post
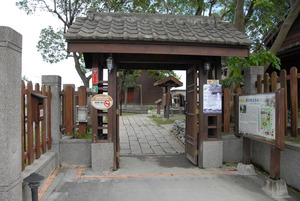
{"x": 95, "y": 76}
{"x": 257, "y": 115}
{"x": 260, "y": 117}
{"x": 212, "y": 98}
{"x": 102, "y": 101}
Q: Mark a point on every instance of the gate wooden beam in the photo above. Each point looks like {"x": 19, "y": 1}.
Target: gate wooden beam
{"x": 147, "y": 48}
{"x": 82, "y": 101}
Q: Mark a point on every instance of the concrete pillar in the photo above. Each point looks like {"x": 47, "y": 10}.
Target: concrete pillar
{"x": 250, "y": 78}
{"x": 54, "y": 81}
{"x": 10, "y": 115}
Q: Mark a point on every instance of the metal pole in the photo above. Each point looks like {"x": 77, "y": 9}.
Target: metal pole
{"x": 34, "y": 181}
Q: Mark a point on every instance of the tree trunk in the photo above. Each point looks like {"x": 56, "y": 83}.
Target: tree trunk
{"x": 239, "y": 18}
{"x": 125, "y": 101}
{"x": 81, "y": 74}
{"x": 287, "y": 24}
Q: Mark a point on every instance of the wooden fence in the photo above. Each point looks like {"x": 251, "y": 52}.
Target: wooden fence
{"x": 36, "y": 122}
{"x": 271, "y": 84}
{"x": 71, "y": 99}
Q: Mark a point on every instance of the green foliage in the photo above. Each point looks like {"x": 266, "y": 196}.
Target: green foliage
{"x": 161, "y": 120}
{"x": 76, "y": 135}
{"x": 266, "y": 15}
{"x": 51, "y": 45}
{"x": 24, "y": 78}
{"x": 161, "y": 74}
{"x": 150, "y": 107}
{"x": 236, "y": 65}
{"x": 128, "y": 78}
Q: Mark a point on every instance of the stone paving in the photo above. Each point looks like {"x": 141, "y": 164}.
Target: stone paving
{"x": 140, "y": 135}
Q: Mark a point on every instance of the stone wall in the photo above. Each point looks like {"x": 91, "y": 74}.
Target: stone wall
{"x": 178, "y": 129}
{"x": 10, "y": 115}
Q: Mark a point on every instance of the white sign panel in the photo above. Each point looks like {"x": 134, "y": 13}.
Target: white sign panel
{"x": 257, "y": 115}
{"x": 102, "y": 102}
{"x": 212, "y": 98}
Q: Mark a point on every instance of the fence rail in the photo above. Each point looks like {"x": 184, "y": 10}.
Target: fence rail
{"x": 36, "y": 122}
{"x": 70, "y": 99}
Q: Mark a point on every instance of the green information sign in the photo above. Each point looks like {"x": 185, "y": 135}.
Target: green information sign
{"x": 95, "y": 89}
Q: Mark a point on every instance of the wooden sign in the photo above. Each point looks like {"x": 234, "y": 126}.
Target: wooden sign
{"x": 94, "y": 75}
{"x": 102, "y": 101}
{"x": 260, "y": 117}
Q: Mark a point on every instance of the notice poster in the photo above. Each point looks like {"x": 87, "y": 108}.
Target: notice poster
{"x": 212, "y": 98}
{"x": 257, "y": 115}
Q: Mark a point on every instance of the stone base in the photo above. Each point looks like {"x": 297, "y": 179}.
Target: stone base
{"x": 102, "y": 157}
{"x": 75, "y": 152}
{"x": 212, "y": 154}
{"x": 246, "y": 169}
{"x": 275, "y": 187}
{"x": 11, "y": 192}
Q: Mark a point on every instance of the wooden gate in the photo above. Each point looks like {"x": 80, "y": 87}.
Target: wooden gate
{"x": 191, "y": 139}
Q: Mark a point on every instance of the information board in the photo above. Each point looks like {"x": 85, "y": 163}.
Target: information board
{"x": 212, "y": 98}
{"x": 257, "y": 115}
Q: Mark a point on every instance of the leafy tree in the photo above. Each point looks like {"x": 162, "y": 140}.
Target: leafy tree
{"x": 256, "y": 18}
{"x": 237, "y": 64}
{"x": 161, "y": 74}
{"x": 128, "y": 80}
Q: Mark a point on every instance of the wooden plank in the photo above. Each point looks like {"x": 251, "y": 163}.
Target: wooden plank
{"x": 63, "y": 108}
{"x": 82, "y": 101}
{"x": 246, "y": 151}
{"x": 259, "y": 84}
{"x": 44, "y": 148}
{"x": 23, "y": 124}
{"x": 69, "y": 110}
{"x": 37, "y": 127}
{"x": 294, "y": 101}
{"x": 49, "y": 138}
{"x": 275, "y": 163}
{"x": 191, "y": 143}
{"x": 168, "y": 49}
{"x": 227, "y": 97}
{"x": 283, "y": 84}
{"x": 112, "y": 111}
{"x": 236, "y": 111}
{"x": 29, "y": 124}
{"x": 118, "y": 122}
{"x": 274, "y": 81}
{"x": 280, "y": 120}
{"x": 266, "y": 83}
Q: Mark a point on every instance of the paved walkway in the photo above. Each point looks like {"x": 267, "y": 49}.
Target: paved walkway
{"x": 141, "y": 135}
{"x": 153, "y": 178}
{"x": 152, "y": 168}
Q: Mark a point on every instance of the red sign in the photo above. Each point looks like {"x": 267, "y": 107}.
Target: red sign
{"x": 94, "y": 75}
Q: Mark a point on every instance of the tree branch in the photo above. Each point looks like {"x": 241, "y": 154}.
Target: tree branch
{"x": 81, "y": 74}
{"x": 58, "y": 15}
{"x": 287, "y": 24}
{"x": 250, "y": 12}
{"x": 212, "y": 3}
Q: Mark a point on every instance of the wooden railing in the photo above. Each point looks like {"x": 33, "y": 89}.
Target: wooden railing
{"x": 70, "y": 99}
{"x": 36, "y": 122}
{"x": 271, "y": 84}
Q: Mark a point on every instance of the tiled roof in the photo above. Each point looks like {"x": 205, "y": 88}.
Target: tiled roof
{"x": 156, "y": 28}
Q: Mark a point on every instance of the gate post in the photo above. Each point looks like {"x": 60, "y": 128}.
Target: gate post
{"x": 10, "y": 115}
{"x": 250, "y": 78}
{"x": 54, "y": 81}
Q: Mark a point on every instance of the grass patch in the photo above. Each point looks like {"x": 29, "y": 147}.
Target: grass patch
{"x": 292, "y": 139}
{"x": 128, "y": 114}
{"x": 76, "y": 135}
{"x": 171, "y": 120}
